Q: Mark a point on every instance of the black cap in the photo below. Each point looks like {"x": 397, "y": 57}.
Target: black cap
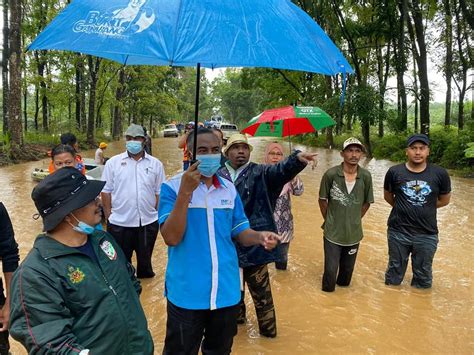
{"x": 418, "y": 137}
{"x": 62, "y": 192}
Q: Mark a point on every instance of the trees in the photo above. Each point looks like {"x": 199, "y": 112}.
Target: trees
{"x": 14, "y": 107}
{"x": 389, "y": 44}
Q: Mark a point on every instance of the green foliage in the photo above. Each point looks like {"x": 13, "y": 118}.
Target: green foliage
{"x": 391, "y": 146}
{"x": 469, "y": 151}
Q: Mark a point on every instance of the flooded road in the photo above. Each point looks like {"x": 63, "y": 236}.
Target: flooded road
{"x": 367, "y": 317}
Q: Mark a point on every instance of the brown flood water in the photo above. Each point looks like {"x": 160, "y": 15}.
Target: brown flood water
{"x": 367, "y": 317}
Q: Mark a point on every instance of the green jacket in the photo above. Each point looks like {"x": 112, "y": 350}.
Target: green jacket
{"x": 62, "y": 301}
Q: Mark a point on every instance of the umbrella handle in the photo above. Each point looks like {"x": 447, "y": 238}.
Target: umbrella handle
{"x": 196, "y": 110}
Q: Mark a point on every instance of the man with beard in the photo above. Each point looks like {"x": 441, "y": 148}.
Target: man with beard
{"x": 345, "y": 196}
{"x": 259, "y": 186}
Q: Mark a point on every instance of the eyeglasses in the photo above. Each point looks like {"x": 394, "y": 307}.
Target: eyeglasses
{"x": 275, "y": 154}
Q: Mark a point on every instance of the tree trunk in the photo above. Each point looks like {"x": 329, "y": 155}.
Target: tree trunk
{"x": 5, "y": 56}
{"x": 94, "y": 64}
{"x": 79, "y": 84}
{"x": 382, "y": 74}
{"x": 329, "y": 95}
{"x": 448, "y": 71}
{"x": 422, "y": 68}
{"x": 464, "y": 69}
{"x": 14, "y": 110}
{"x": 41, "y": 66}
{"x": 36, "y": 106}
{"x": 25, "y": 107}
{"x": 415, "y": 88}
{"x": 401, "y": 66}
{"x": 117, "y": 120}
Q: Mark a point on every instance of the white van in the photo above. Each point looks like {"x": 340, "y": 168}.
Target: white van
{"x": 228, "y": 129}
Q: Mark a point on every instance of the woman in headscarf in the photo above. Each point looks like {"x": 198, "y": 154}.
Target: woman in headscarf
{"x": 282, "y": 214}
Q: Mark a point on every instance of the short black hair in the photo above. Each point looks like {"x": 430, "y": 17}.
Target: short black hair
{"x": 62, "y": 148}
{"x": 68, "y": 138}
{"x": 190, "y": 139}
{"x": 215, "y": 129}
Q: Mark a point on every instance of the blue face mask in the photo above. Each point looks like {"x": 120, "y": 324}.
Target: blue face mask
{"x": 209, "y": 165}
{"x": 82, "y": 227}
{"x": 134, "y": 147}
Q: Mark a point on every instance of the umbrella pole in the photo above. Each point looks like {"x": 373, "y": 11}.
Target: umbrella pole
{"x": 196, "y": 109}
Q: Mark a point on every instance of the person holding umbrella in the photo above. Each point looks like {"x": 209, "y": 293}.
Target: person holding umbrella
{"x": 259, "y": 186}
{"x": 201, "y": 215}
{"x": 75, "y": 293}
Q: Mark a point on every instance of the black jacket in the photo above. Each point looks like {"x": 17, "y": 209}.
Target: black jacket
{"x": 259, "y": 187}
{"x": 8, "y": 246}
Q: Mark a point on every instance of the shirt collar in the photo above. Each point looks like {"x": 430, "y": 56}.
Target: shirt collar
{"x": 125, "y": 155}
{"x": 340, "y": 171}
{"x": 234, "y": 173}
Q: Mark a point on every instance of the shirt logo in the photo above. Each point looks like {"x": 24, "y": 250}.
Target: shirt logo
{"x": 109, "y": 250}
{"x": 75, "y": 274}
{"x": 226, "y": 203}
{"x": 121, "y": 21}
{"x": 416, "y": 192}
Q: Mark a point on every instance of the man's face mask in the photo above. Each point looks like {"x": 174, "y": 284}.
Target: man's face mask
{"x": 209, "y": 164}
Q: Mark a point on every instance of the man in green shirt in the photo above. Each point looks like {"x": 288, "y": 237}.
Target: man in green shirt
{"x": 345, "y": 196}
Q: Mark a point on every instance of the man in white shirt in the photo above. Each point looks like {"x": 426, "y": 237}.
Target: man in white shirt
{"x": 130, "y": 198}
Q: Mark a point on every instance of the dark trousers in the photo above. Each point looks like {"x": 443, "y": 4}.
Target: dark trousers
{"x": 283, "y": 263}
{"x": 188, "y": 330}
{"x": 4, "y": 343}
{"x": 139, "y": 239}
{"x": 422, "y": 249}
{"x": 339, "y": 264}
{"x": 258, "y": 282}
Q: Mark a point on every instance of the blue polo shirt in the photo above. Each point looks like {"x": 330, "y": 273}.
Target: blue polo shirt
{"x": 203, "y": 269}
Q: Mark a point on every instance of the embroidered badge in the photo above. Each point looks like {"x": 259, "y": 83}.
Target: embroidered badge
{"x": 109, "y": 250}
{"x": 75, "y": 274}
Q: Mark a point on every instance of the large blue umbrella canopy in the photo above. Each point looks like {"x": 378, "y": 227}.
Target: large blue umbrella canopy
{"x": 214, "y": 33}
{"x": 209, "y": 33}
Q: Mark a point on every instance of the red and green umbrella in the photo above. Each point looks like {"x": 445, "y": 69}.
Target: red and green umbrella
{"x": 288, "y": 121}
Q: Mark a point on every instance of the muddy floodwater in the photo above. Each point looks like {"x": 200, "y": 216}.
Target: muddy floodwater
{"x": 367, "y": 317}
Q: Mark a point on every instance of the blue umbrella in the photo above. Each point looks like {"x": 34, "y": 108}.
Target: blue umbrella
{"x": 209, "y": 33}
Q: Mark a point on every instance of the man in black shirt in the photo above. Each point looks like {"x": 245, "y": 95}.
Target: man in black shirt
{"x": 10, "y": 257}
{"x": 415, "y": 190}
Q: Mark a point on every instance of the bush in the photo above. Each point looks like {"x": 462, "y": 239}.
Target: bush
{"x": 391, "y": 146}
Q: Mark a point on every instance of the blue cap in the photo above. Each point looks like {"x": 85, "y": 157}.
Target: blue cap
{"x": 418, "y": 137}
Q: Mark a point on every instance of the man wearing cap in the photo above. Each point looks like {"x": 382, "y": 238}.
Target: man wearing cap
{"x": 130, "y": 196}
{"x": 345, "y": 195}
{"x": 75, "y": 293}
{"x": 201, "y": 215}
{"x": 415, "y": 190}
{"x": 99, "y": 153}
{"x": 259, "y": 187}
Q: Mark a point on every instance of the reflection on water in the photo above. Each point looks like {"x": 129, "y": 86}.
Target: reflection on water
{"x": 366, "y": 317}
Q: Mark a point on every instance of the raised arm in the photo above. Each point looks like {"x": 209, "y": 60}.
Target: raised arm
{"x": 174, "y": 226}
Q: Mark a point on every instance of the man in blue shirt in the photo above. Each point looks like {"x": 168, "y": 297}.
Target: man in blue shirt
{"x": 200, "y": 216}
